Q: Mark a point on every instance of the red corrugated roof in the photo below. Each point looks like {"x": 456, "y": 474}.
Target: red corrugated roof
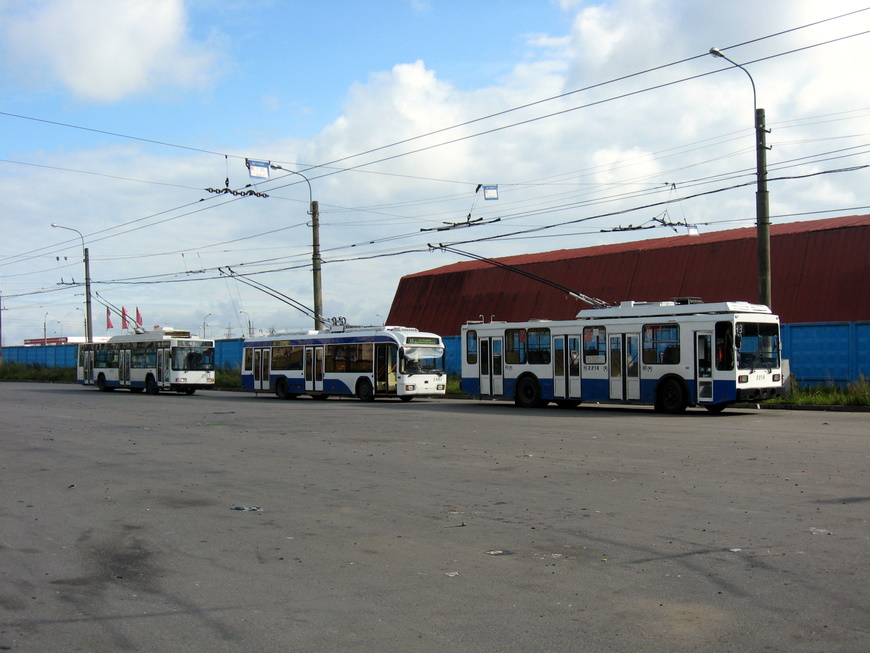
{"x": 819, "y": 274}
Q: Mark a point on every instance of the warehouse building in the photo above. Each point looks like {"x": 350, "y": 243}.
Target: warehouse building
{"x": 819, "y": 276}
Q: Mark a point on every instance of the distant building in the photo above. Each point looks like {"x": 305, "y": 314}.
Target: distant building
{"x": 820, "y": 272}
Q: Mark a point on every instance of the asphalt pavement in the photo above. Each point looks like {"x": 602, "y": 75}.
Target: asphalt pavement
{"x": 229, "y": 522}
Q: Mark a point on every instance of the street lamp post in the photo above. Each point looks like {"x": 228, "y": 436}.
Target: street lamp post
{"x": 315, "y": 249}
{"x": 89, "y": 329}
{"x": 204, "y": 325}
{"x": 250, "y": 324}
{"x": 45, "y": 330}
{"x": 762, "y": 199}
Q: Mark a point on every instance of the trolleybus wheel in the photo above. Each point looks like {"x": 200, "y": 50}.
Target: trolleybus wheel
{"x": 364, "y": 390}
{"x": 101, "y": 384}
{"x": 282, "y": 390}
{"x": 151, "y": 385}
{"x": 189, "y": 391}
{"x": 567, "y": 403}
{"x": 670, "y": 397}
{"x": 406, "y": 398}
{"x": 528, "y": 394}
{"x": 715, "y": 408}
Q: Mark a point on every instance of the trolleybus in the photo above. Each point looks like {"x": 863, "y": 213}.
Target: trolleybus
{"x": 668, "y": 354}
{"x": 165, "y": 359}
{"x": 365, "y": 362}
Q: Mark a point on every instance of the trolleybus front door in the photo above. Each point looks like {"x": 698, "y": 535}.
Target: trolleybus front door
{"x": 704, "y": 367}
{"x": 566, "y": 367}
{"x": 491, "y": 367}
{"x": 314, "y": 369}
{"x": 262, "y": 369}
{"x": 386, "y": 361}
{"x": 624, "y": 368}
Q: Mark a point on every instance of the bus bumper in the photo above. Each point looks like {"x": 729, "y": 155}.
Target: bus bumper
{"x": 758, "y": 394}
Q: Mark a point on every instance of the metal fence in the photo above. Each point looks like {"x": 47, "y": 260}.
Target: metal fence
{"x": 829, "y": 352}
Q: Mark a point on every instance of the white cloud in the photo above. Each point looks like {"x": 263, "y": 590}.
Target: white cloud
{"x": 105, "y": 50}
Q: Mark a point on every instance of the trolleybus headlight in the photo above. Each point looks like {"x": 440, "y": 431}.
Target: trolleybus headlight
{"x": 440, "y": 386}
{"x": 410, "y": 388}
{"x": 743, "y": 378}
{"x": 776, "y": 377}
{"x": 182, "y": 380}
{"x": 209, "y": 380}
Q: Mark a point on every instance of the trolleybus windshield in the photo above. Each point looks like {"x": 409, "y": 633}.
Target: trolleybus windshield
{"x": 194, "y": 358}
{"x": 419, "y": 360}
{"x": 757, "y": 345}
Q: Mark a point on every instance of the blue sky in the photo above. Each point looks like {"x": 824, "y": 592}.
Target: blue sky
{"x": 161, "y": 99}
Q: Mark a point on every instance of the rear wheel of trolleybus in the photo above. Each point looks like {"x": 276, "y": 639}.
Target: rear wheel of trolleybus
{"x": 151, "y": 385}
{"x": 528, "y": 393}
{"x": 671, "y": 396}
{"x": 101, "y": 383}
{"x": 364, "y": 390}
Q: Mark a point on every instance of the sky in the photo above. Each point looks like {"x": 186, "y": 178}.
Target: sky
{"x": 598, "y": 122}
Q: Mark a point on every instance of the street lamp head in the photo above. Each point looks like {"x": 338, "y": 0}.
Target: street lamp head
{"x": 716, "y": 52}
{"x": 54, "y": 224}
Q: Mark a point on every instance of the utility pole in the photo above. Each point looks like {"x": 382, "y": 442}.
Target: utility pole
{"x": 314, "y": 210}
{"x": 89, "y": 335}
{"x": 762, "y": 198}
{"x": 315, "y": 264}
{"x": 762, "y": 209}
{"x": 90, "y": 327}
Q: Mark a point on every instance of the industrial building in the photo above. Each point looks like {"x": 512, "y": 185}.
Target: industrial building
{"x": 819, "y": 273}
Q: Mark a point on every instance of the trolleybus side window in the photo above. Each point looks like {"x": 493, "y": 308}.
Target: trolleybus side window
{"x": 347, "y": 358}
{"x": 594, "y": 345}
{"x": 286, "y": 358}
{"x": 527, "y": 346}
{"x": 539, "y": 346}
{"x": 106, "y": 358}
{"x": 471, "y": 347}
{"x": 144, "y": 356}
{"x": 515, "y": 346}
{"x": 724, "y": 346}
{"x": 249, "y": 359}
{"x": 661, "y": 344}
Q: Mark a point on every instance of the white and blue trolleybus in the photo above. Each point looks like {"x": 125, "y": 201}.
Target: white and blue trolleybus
{"x": 668, "y": 354}
{"x": 366, "y": 362}
{"x": 163, "y": 359}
